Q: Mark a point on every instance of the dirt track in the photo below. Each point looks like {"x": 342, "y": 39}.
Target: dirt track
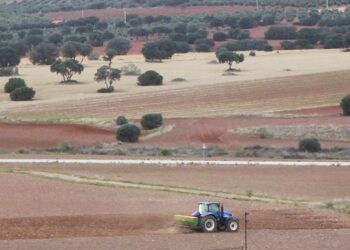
{"x": 111, "y": 13}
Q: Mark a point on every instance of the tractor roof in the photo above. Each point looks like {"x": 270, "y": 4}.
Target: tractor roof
{"x": 208, "y": 203}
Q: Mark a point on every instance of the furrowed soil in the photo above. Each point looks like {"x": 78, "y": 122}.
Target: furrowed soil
{"x": 42, "y": 214}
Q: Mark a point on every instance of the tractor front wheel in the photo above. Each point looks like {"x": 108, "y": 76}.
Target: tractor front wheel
{"x": 232, "y": 225}
{"x": 208, "y": 224}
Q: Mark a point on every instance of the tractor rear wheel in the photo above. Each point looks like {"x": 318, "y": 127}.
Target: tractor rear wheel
{"x": 208, "y": 224}
{"x": 232, "y": 225}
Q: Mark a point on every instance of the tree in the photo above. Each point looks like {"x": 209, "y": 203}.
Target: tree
{"x": 225, "y": 56}
{"x": 107, "y": 75}
{"x": 70, "y": 49}
{"x": 9, "y": 57}
{"x": 346, "y": 40}
{"x": 159, "y": 50}
{"x": 85, "y": 50}
{"x": 44, "y": 54}
{"x": 96, "y": 39}
{"x": 55, "y": 38}
{"x": 219, "y": 36}
{"x": 67, "y": 68}
{"x": 116, "y": 47}
{"x": 345, "y": 105}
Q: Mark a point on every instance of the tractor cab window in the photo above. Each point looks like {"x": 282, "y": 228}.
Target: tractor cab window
{"x": 203, "y": 208}
{"x": 214, "y": 208}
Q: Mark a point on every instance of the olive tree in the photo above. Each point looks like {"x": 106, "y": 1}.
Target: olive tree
{"x": 44, "y": 54}
{"x": 67, "y": 68}
{"x": 229, "y": 57}
{"x": 9, "y": 58}
{"x": 116, "y": 47}
{"x": 108, "y": 76}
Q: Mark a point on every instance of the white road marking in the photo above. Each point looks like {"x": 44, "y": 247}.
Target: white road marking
{"x": 179, "y": 162}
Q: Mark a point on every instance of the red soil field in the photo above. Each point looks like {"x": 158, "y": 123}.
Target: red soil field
{"x": 187, "y": 132}
{"x": 112, "y": 13}
{"x": 15, "y": 136}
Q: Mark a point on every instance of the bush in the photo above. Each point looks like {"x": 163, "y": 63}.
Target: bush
{"x": 14, "y": 83}
{"x": 128, "y": 133}
{"x": 311, "y": 145}
{"x": 94, "y": 56}
{"x": 6, "y": 72}
{"x": 152, "y": 121}
{"x": 150, "y": 78}
{"x": 106, "y": 90}
{"x": 130, "y": 70}
{"x": 22, "y": 94}
{"x": 345, "y": 105}
{"x": 203, "y": 47}
{"x": 219, "y": 36}
{"x": 121, "y": 120}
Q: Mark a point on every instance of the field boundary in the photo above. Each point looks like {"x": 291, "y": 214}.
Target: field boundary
{"x": 180, "y": 162}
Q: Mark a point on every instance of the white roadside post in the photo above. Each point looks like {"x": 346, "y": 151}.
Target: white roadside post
{"x": 204, "y": 151}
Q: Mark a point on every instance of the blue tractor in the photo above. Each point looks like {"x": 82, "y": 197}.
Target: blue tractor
{"x": 210, "y": 217}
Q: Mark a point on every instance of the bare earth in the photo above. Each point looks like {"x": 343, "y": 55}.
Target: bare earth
{"x": 86, "y": 216}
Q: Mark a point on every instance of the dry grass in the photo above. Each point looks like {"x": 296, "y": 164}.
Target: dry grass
{"x": 206, "y": 92}
{"x": 331, "y": 133}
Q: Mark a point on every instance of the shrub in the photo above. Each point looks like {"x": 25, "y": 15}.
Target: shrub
{"x": 152, "y": 121}
{"x": 203, "y": 47}
{"x": 130, "y": 70}
{"x": 179, "y": 79}
{"x": 128, "y": 133}
{"x": 94, "y": 56}
{"x": 345, "y": 105}
{"x": 22, "y": 94}
{"x": 309, "y": 145}
{"x": 106, "y": 90}
{"x": 121, "y": 120}
{"x": 150, "y": 78}
{"x": 14, "y": 83}
{"x": 219, "y": 36}
{"x": 6, "y": 72}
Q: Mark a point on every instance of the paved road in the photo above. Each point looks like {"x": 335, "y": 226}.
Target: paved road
{"x": 180, "y": 162}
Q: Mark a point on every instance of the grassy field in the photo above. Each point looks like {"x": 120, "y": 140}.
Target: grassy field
{"x": 266, "y": 83}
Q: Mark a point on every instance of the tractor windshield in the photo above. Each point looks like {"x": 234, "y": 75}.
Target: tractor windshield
{"x": 203, "y": 208}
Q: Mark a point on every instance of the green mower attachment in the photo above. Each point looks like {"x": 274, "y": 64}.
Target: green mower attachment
{"x": 186, "y": 221}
